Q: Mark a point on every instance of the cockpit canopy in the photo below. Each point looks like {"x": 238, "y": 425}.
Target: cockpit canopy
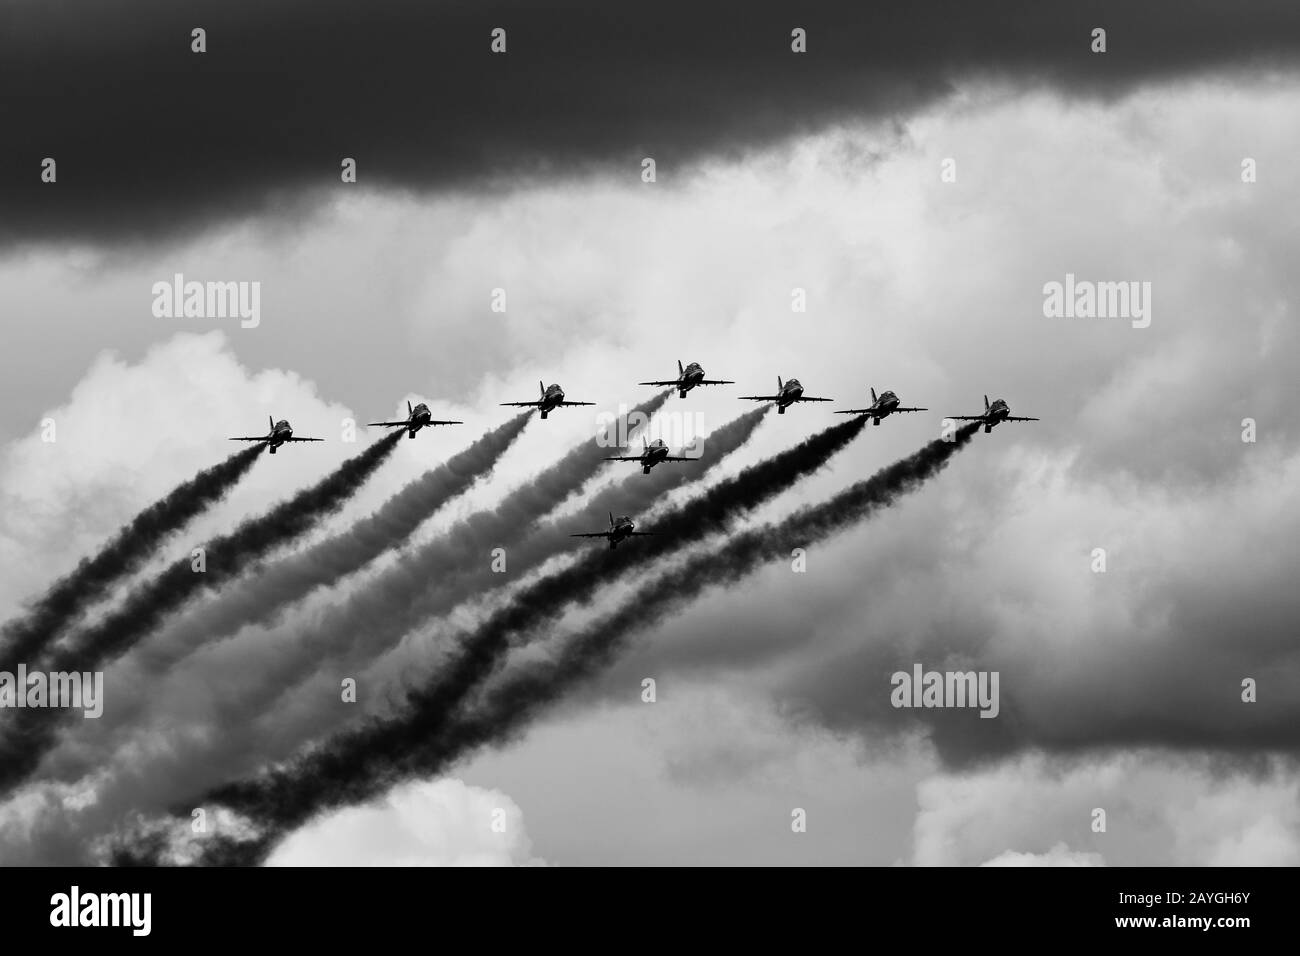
{"x": 658, "y": 443}
{"x": 887, "y": 394}
{"x": 694, "y": 367}
{"x": 282, "y": 423}
{"x": 792, "y": 383}
{"x": 420, "y": 409}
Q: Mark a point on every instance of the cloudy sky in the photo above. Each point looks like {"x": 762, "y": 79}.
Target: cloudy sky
{"x": 775, "y": 171}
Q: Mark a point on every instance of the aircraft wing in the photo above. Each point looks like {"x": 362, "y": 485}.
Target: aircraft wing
{"x": 591, "y": 534}
{"x": 624, "y": 458}
{"x": 911, "y": 409}
{"x": 675, "y": 381}
{"x": 405, "y": 424}
{"x": 759, "y": 398}
{"x": 641, "y": 534}
{"x": 577, "y": 403}
{"x": 249, "y": 438}
{"x": 296, "y": 438}
{"x": 855, "y": 411}
{"x": 805, "y": 398}
{"x": 966, "y": 418}
{"x": 678, "y": 458}
{"x": 715, "y": 381}
{"x": 533, "y": 404}
{"x": 1018, "y": 418}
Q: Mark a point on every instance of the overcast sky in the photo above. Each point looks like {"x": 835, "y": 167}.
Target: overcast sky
{"x": 775, "y": 171}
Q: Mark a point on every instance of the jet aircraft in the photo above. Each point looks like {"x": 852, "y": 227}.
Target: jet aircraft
{"x": 280, "y": 433}
{"x": 653, "y": 454}
{"x": 549, "y": 400}
{"x": 416, "y": 418}
{"x": 881, "y": 407}
{"x": 689, "y": 377}
{"x": 787, "y": 393}
{"x": 620, "y": 529}
{"x": 999, "y": 411}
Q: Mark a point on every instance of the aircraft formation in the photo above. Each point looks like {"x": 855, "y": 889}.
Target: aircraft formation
{"x": 788, "y": 392}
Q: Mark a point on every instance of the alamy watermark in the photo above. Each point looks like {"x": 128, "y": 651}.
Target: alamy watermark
{"x": 133, "y": 911}
{"x": 72, "y": 690}
{"x": 1083, "y": 299}
{"x": 922, "y": 688}
{"x": 179, "y": 299}
{"x": 677, "y": 429}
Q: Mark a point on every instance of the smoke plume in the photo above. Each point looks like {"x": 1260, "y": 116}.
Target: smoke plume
{"x": 267, "y": 596}
{"x": 369, "y": 759}
{"x": 251, "y": 719}
{"x": 32, "y": 731}
{"x": 67, "y": 599}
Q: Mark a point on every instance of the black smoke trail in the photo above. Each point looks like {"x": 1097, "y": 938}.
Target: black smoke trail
{"x": 395, "y": 600}
{"x": 267, "y": 595}
{"x": 293, "y": 653}
{"x": 424, "y": 742}
{"x": 243, "y": 712}
{"x": 453, "y": 580}
{"x": 32, "y": 731}
{"x": 593, "y": 647}
{"x": 316, "y": 781}
{"x": 67, "y": 599}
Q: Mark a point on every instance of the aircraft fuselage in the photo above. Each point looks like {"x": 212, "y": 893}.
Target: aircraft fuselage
{"x": 790, "y": 393}
{"x": 654, "y": 454}
{"x": 280, "y": 433}
{"x": 692, "y": 375}
{"x": 997, "y": 412}
{"x": 551, "y": 399}
{"x": 884, "y": 405}
{"x": 420, "y": 417}
{"x": 623, "y": 528}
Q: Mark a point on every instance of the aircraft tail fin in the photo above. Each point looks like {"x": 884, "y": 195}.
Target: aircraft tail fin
{"x": 873, "y": 395}
{"x": 611, "y": 519}
{"x": 541, "y": 389}
{"x": 270, "y": 420}
{"x": 986, "y": 403}
{"x": 779, "y": 384}
{"x": 408, "y": 407}
{"x": 680, "y": 370}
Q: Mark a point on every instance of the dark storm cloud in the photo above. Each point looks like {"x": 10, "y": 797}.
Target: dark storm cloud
{"x": 1177, "y": 686}
{"x": 153, "y": 140}
{"x": 1153, "y": 657}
